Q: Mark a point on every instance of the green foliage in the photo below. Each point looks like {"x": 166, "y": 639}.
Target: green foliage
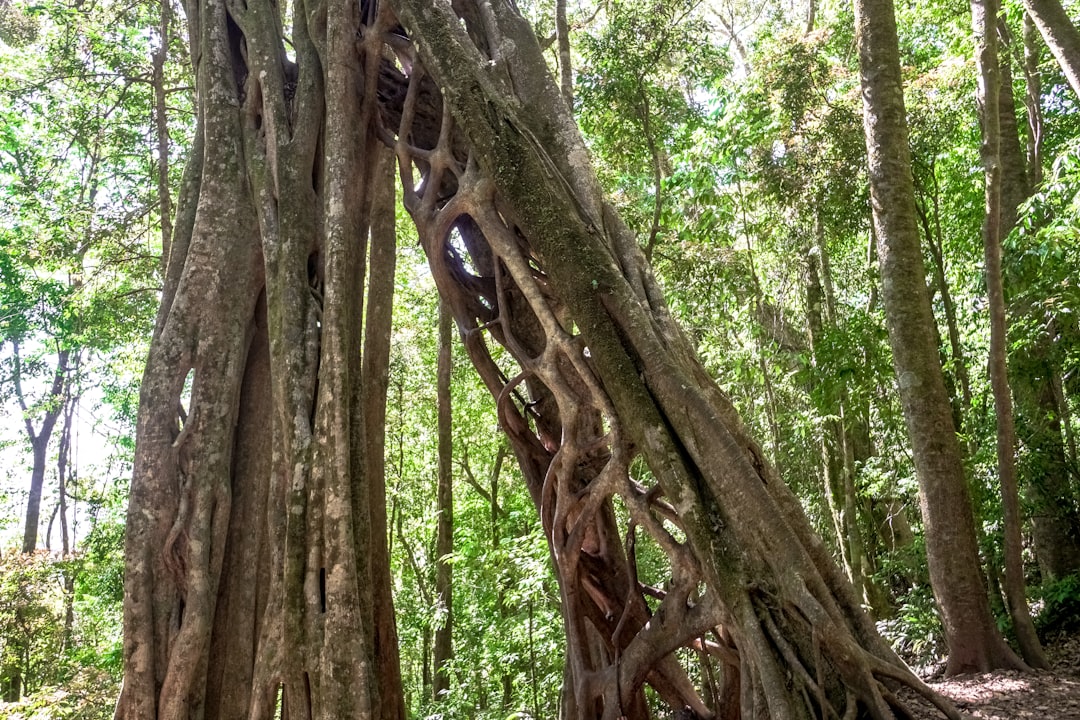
{"x": 1045, "y": 247}
{"x": 90, "y": 694}
{"x": 60, "y": 628}
{"x": 644, "y": 81}
{"x": 31, "y": 619}
{"x": 507, "y": 631}
{"x": 1060, "y": 607}
{"x": 79, "y": 265}
{"x": 915, "y": 632}
{"x": 736, "y": 178}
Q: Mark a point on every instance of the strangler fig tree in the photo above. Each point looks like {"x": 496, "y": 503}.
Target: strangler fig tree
{"x": 257, "y": 571}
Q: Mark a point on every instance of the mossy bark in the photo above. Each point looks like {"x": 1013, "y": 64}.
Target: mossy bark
{"x": 974, "y": 641}
{"x": 615, "y": 375}
{"x": 256, "y": 533}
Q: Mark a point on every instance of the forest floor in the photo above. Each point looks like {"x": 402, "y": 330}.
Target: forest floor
{"x": 1008, "y": 695}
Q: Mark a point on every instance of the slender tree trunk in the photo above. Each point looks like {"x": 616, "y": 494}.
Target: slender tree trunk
{"x": 429, "y": 601}
{"x": 1015, "y": 188}
{"x": 376, "y": 370}
{"x": 161, "y": 128}
{"x": 1055, "y": 523}
{"x": 1033, "y": 101}
{"x": 506, "y": 679}
{"x": 53, "y": 402}
{"x": 961, "y": 396}
{"x": 566, "y": 71}
{"x": 997, "y": 219}
{"x": 63, "y": 470}
{"x": 974, "y": 642}
{"x": 1065, "y": 414}
{"x": 444, "y": 543}
{"x": 831, "y": 466}
{"x": 1060, "y": 35}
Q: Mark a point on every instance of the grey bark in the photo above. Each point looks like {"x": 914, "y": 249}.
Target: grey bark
{"x": 973, "y": 639}
{"x": 1060, "y": 35}
{"x": 53, "y": 404}
{"x": 253, "y": 542}
{"x": 747, "y": 540}
{"x": 562, "y": 36}
{"x": 1000, "y": 214}
{"x": 161, "y": 128}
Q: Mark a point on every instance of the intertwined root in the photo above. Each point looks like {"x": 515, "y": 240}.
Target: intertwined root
{"x": 787, "y": 650}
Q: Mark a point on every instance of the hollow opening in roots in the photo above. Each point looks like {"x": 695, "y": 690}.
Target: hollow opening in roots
{"x": 184, "y": 407}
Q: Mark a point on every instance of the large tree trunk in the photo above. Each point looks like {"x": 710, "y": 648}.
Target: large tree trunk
{"x": 974, "y": 642}
{"x": 546, "y": 268}
{"x": 1060, "y": 35}
{"x": 255, "y": 534}
{"x": 253, "y": 551}
{"x": 1000, "y": 214}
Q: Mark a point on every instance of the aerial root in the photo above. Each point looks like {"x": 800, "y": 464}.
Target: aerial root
{"x": 908, "y": 678}
{"x": 898, "y": 707}
{"x": 871, "y": 690}
{"x": 796, "y": 665}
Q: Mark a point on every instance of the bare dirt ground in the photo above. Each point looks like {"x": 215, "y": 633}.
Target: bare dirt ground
{"x": 1044, "y": 695}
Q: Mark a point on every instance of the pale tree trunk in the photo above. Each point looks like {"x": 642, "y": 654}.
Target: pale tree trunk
{"x": 973, "y": 639}
{"x": 830, "y": 465}
{"x": 997, "y": 218}
{"x": 161, "y": 128}
{"x": 444, "y": 541}
{"x": 566, "y": 71}
{"x": 53, "y": 404}
{"x": 253, "y": 533}
{"x": 1033, "y": 101}
{"x": 547, "y": 259}
{"x": 1060, "y": 35}
{"x": 1055, "y": 523}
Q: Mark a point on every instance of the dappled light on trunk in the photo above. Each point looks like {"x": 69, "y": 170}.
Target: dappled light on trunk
{"x": 273, "y": 584}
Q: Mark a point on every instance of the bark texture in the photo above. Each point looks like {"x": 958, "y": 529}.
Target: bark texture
{"x": 444, "y": 540}
{"x": 1001, "y": 200}
{"x": 973, "y": 638}
{"x": 256, "y": 566}
{"x": 603, "y": 375}
{"x": 256, "y": 550}
{"x": 1060, "y": 35}
{"x": 53, "y": 402}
